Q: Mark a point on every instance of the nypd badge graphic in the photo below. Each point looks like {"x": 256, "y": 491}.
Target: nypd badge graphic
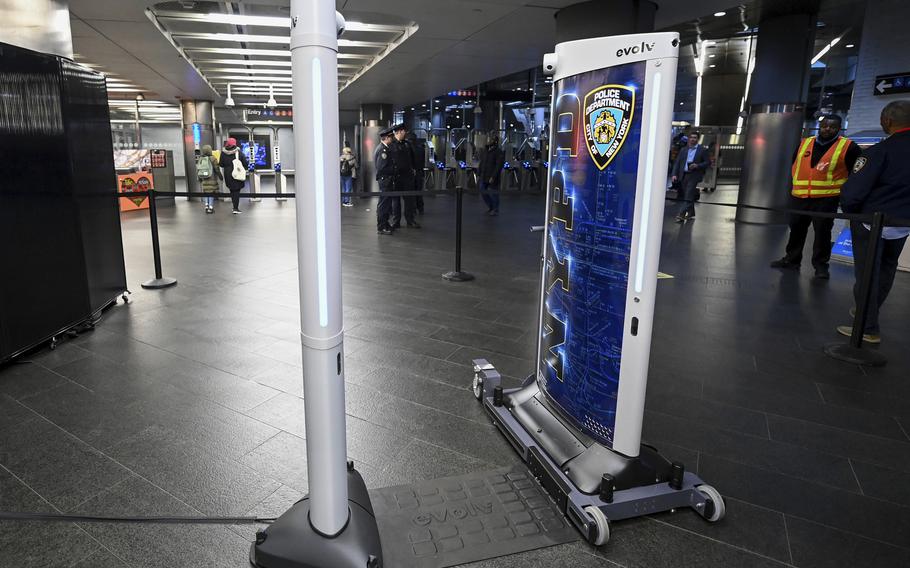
{"x": 608, "y": 117}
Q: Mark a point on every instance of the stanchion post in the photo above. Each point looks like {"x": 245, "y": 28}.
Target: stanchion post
{"x": 159, "y": 281}
{"x": 457, "y": 275}
{"x": 853, "y": 351}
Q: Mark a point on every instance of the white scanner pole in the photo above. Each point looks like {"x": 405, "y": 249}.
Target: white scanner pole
{"x": 314, "y": 63}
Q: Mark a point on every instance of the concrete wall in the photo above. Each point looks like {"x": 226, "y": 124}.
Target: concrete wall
{"x": 883, "y": 50}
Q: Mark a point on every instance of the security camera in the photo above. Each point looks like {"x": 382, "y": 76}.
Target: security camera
{"x": 549, "y": 64}
{"x": 339, "y": 23}
{"x": 229, "y": 102}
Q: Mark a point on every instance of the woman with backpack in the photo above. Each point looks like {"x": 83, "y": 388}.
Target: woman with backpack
{"x": 235, "y": 166}
{"x": 348, "y": 174}
{"x": 208, "y": 174}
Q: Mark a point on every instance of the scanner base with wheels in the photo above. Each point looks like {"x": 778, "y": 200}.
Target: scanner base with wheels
{"x": 591, "y": 484}
{"x": 292, "y": 542}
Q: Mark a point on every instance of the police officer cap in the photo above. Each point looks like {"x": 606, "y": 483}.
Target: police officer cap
{"x": 386, "y": 132}
{"x": 400, "y": 126}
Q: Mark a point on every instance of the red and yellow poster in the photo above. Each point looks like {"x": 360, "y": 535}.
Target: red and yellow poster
{"x": 131, "y": 183}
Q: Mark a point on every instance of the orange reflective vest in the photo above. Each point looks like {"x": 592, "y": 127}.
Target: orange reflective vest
{"x": 827, "y": 177}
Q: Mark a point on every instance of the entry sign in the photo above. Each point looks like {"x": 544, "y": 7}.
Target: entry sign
{"x": 607, "y": 168}
{"x": 892, "y": 84}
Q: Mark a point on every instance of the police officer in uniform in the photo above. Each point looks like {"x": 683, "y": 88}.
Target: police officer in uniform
{"x": 880, "y": 182}
{"x": 404, "y": 158}
{"x": 385, "y": 175}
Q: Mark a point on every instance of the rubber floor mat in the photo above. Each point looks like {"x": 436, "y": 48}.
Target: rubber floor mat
{"x": 467, "y": 518}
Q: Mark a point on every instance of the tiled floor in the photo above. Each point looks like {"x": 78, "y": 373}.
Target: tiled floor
{"x": 188, "y": 400}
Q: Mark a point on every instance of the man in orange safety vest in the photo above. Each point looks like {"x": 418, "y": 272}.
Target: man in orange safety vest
{"x": 820, "y": 167}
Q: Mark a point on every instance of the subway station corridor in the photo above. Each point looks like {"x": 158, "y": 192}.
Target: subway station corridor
{"x": 189, "y": 400}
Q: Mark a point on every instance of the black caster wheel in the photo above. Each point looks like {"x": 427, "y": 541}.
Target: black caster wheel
{"x": 53, "y": 343}
{"x": 600, "y": 533}
{"x": 715, "y": 509}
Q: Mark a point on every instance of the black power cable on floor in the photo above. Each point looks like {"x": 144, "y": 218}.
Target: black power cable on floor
{"x": 62, "y": 518}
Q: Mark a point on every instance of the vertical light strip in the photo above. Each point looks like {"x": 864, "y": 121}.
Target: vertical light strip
{"x": 698, "y": 100}
{"x": 648, "y": 186}
{"x": 319, "y": 189}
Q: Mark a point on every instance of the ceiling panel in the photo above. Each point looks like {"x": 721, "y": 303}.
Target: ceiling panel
{"x": 459, "y": 43}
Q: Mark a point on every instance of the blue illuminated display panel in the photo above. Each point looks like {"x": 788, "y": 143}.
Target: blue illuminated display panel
{"x": 593, "y": 174}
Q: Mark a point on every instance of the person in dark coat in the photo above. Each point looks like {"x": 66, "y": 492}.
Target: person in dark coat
{"x": 880, "y": 183}
{"x": 420, "y": 159}
{"x": 385, "y": 175}
{"x": 404, "y": 158}
{"x": 229, "y": 153}
{"x": 689, "y": 169}
{"x": 490, "y": 161}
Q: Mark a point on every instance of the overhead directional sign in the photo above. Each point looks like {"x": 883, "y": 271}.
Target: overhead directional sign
{"x": 892, "y": 84}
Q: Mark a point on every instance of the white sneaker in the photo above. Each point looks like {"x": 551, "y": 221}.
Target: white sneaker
{"x": 236, "y": 212}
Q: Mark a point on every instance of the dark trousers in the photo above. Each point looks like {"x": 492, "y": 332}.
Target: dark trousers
{"x": 395, "y": 202}
{"x": 491, "y": 199}
{"x": 418, "y": 186}
{"x": 384, "y": 207}
{"x": 403, "y": 183}
{"x": 886, "y": 258}
{"x": 688, "y": 193}
{"x": 799, "y": 230}
{"x": 410, "y": 209}
{"x": 235, "y": 198}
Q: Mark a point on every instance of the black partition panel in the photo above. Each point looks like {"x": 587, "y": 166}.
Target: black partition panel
{"x": 88, "y": 133}
{"x": 61, "y": 251}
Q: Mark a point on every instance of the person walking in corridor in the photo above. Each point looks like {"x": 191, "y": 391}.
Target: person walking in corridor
{"x": 490, "y": 160}
{"x": 688, "y": 170}
{"x": 208, "y": 173}
{"x": 234, "y": 166}
{"x": 348, "y": 174}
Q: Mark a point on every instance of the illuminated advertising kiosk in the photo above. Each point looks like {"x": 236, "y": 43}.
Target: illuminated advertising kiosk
{"x": 577, "y": 420}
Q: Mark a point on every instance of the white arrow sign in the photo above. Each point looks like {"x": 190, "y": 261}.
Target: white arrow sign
{"x": 882, "y": 85}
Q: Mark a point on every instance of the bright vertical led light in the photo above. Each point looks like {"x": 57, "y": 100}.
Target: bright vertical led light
{"x": 319, "y": 171}
{"x": 648, "y": 186}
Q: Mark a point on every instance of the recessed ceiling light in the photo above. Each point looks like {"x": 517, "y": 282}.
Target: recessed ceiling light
{"x": 713, "y": 55}
{"x": 712, "y": 65}
{"x": 710, "y": 43}
{"x": 719, "y": 14}
{"x": 849, "y": 45}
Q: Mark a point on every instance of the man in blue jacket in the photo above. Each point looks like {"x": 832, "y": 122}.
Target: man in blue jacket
{"x": 689, "y": 169}
{"x": 880, "y": 182}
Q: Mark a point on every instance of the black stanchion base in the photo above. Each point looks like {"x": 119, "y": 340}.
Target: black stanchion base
{"x": 159, "y": 283}
{"x": 292, "y": 542}
{"x": 850, "y": 354}
{"x": 458, "y": 276}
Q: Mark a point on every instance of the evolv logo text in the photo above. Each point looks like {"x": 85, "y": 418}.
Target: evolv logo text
{"x": 634, "y": 49}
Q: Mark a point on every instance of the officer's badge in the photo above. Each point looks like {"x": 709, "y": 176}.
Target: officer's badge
{"x": 860, "y": 164}
{"x": 385, "y": 156}
{"x": 608, "y": 118}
